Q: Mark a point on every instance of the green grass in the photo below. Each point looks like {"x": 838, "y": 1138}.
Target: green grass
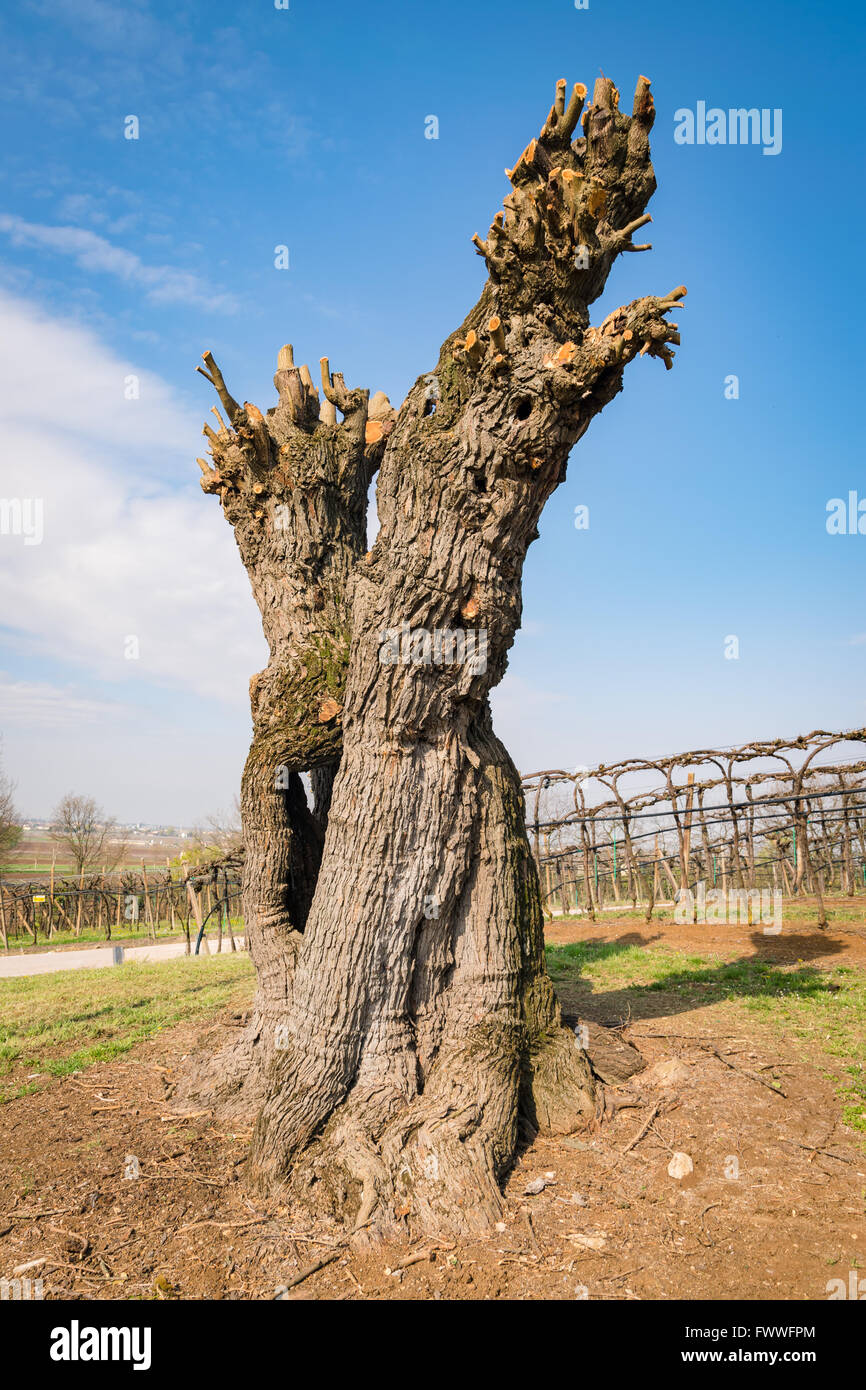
{"x": 795, "y": 911}
{"x": 91, "y": 937}
{"x": 822, "y": 1008}
{"x": 125, "y": 935}
{"x": 57, "y": 1024}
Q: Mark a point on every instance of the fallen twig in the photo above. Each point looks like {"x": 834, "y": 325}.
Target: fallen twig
{"x": 299, "y": 1278}
{"x": 315, "y": 1240}
{"x": 660, "y": 1136}
{"x": 632, "y": 1143}
{"x": 527, "y": 1215}
{"x": 311, "y": 1269}
{"x": 609, "y": 1278}
{"x": 816, "y": 1149}
{"x": 37, "y": 1215}
{"x": 411, "y": 1260}
{"x": 752, "y": 1076}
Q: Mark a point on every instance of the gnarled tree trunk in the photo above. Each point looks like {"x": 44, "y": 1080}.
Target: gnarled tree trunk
{"x": 293, "y": 485}
{"x": 420, "y": 1026}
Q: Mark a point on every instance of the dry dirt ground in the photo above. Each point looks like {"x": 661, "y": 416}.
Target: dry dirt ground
{"x": 773, "y": 1209}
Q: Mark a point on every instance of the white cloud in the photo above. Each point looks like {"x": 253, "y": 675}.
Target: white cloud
{"x": 125, "y": 551}
{"x": 163, "y": 284}
{"x": 38, "y": 703}
{"x": 59, "y": 379}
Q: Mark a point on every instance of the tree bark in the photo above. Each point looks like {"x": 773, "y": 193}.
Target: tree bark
{"x": 293, "y": 485}
{"x": 421, "y": 1026}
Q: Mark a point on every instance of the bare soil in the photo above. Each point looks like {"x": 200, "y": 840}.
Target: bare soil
{"x": 610, "y": 1222}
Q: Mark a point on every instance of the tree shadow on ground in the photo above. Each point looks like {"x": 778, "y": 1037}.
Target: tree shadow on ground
{"x": 682, "y": 989}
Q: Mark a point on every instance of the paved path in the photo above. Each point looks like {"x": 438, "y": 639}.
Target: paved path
{"x": 46, "y": 962}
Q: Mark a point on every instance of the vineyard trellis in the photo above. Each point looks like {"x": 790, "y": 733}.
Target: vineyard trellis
{"x": 783, "y": 814}
{"x": 186, "y": 899}
{"x": 787, "y": 815}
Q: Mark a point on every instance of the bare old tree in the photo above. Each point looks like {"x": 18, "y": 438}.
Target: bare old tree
{"x": 82, "y": 830}
{"x": 293, "y": 485}
{"x": 396, "y": 925}
{"x": 10, "y": 821}
{"x": 221, "y": 835}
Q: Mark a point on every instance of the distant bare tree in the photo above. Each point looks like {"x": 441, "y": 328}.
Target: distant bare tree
{"x": 82, "y": 829}
{"x": 10, "y": 826}
{"x": 221, "y": 835}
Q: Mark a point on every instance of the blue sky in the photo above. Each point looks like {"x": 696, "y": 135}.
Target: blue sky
{"x": 305, "y": 127}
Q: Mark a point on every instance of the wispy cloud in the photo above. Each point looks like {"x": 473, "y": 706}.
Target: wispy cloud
{"x": 162, "y": 284}
{"x": 43, "y": 705}
{"x": 59, "y": 379}
{"x": 104, "y": 25}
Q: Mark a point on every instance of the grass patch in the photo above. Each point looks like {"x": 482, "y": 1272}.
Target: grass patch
{"x": 796, "y": 912}
{"x": 125, "y": 935}
{"x": 57, "y": 1024}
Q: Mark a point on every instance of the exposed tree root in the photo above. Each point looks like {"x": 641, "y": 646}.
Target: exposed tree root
{"x": 558, "y": 1094}
{"x": 432, "y": 1164}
